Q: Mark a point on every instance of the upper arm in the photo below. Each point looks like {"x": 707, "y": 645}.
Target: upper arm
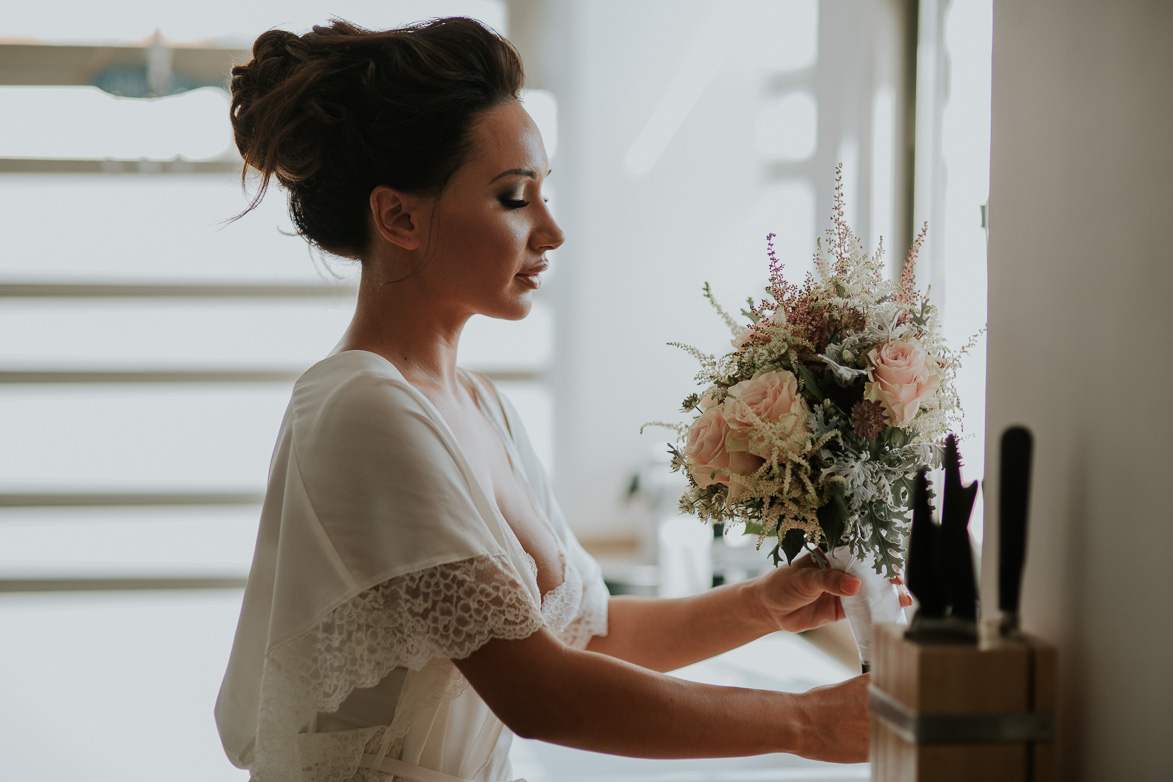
{"x": 523, "y": 681}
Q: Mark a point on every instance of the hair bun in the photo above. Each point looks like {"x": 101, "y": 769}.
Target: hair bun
{"x": 340, "y": 110}
{"x": 275, "y": 55}
{"x": 266, "y": 93}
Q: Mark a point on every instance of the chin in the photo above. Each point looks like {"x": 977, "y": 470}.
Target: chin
{"x": 514, "y": 310}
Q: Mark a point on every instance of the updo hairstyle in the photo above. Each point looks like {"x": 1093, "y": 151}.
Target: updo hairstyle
{"x": 340, "y": 110}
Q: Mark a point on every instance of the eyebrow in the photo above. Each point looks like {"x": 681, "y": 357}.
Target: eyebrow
{"x": 526, "y": 172}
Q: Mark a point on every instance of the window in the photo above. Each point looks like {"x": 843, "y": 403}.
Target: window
{"x": 147, "y": 347}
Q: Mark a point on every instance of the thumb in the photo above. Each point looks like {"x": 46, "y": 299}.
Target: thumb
{"x": 839, "y": 583}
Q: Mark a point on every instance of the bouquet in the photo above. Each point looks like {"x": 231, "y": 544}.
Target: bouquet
{"x": 811, "y": 430}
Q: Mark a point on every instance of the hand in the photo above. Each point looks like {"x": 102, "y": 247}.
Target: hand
{"x": 836, "y": 721}
{"x": 802, "y": 596}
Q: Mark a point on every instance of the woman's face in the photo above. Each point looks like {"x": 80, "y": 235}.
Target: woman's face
{"x": 490, "y": 228}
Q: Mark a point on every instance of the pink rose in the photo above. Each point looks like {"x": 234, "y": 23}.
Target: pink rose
{"x": 708, "y": 461}
{"x": 900, "y": 378}
{"x": 771, "y": 397}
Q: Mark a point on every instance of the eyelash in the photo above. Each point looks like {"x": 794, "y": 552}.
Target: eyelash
{"x": 517, "y": 203}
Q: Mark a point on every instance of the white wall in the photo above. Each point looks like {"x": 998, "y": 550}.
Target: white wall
{"x": 1080, "y": 270}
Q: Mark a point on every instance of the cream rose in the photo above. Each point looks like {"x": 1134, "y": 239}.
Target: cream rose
{"x": 901, "y": 379}
{"x": 708, "y": 461}
{"x": 770, "y": 397}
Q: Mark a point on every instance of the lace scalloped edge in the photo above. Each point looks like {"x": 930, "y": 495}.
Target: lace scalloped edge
{"x": 416, "y": 621}
{"x": 446, "y": 611}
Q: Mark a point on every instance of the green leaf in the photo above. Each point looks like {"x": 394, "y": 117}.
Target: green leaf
{"x": 793, "y": 542}
{"x": 809, "y": 382}
{"x": 902, "y": 491}
{"x": 777, "y": 559}
{"x": 894, "y": 437}
{"x": 833, "y": 517}
{"x": 750, "y": 312}
{"x": 884, "y": 533}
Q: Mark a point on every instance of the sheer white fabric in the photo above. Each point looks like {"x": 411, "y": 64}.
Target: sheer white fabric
{"x": 379, "y": 560}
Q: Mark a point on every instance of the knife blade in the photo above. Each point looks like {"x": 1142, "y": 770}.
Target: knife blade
{"x": 1013, "y": 501}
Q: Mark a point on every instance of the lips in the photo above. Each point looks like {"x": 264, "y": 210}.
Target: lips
{"x": 532, "y": 276}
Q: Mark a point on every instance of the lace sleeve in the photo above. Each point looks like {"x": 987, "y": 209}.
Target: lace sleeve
{"x": 446, "y": 611}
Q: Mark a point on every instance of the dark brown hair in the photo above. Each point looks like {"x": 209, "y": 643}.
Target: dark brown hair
{"x": 340, "y": 110}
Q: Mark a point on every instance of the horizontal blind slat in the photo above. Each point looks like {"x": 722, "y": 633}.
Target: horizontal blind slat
{"x": 113, "y": 584}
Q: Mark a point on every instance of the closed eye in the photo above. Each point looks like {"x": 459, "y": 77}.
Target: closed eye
{"x": 518, "y": 203}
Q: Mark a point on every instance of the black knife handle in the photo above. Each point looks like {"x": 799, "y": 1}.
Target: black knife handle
{"x": 1013, "y": 500}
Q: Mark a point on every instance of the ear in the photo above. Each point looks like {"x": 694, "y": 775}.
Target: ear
{"x": 398, "y": 217}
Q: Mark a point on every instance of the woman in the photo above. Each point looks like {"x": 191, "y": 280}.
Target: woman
{"x": 409, "y": 544}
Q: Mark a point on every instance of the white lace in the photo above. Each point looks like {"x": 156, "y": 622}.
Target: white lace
{"x": 570, "y": 610}
{"x": 421, "y": 622}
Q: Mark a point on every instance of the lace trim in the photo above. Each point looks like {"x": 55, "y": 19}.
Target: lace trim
{"x": 447, "y": 611}
{"x": 590, "y": 615}
{"x": 575, "y": 610}
{"x": 418, "y": 621}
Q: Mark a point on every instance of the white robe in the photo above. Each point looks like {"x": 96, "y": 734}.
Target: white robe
{"x": 380, "y": 558}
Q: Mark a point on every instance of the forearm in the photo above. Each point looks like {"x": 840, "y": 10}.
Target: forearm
{"x": 666, "y": 634}
{"x": 621, "y": 709}
{"x": 550, "y": 692}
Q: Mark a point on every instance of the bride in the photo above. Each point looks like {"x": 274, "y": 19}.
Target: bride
{"x": 416, "y": 596}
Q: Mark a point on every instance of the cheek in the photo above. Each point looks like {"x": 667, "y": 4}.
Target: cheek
{"x": 517, "y": 237}
{"x": 500, "y": 241}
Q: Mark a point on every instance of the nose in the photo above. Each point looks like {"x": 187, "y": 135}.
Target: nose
{"x": 547, "y": 233}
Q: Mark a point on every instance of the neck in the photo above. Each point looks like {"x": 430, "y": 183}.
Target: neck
{"x": 400, "y": 322}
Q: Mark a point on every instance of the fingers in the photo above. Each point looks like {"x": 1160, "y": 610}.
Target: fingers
{"x": 905, "y": 598}
{"x": 836, "y": 582}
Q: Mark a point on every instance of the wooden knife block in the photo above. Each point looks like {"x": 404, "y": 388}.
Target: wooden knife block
{"x": 946, "y": 712}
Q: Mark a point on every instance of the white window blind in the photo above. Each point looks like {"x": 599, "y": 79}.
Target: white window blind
{"x": 147, "y": 349}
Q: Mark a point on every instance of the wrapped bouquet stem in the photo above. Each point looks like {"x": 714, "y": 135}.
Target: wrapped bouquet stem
{"x": 810, "y": 432}
{"x": 877, "y": 602}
